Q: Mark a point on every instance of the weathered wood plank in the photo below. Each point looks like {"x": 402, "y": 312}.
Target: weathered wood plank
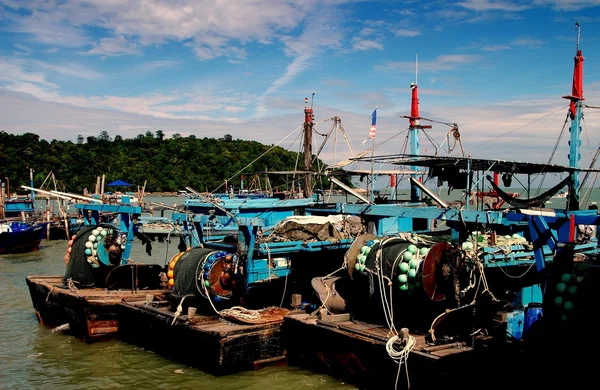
{"x": 206, "y": 342}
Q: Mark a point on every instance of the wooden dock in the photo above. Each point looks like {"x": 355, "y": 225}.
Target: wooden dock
{"x": 207, "y": 342}
{"x": 355, "y": 352}
{"x": 92, "y": 313}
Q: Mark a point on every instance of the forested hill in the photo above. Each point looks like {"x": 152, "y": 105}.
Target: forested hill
{"x": 167, "y": 164}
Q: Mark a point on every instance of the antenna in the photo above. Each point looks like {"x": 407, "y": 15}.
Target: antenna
{"x": 417, "y": 69}
{"x": 578, "y": 33}
{"x": 312, "y": 100}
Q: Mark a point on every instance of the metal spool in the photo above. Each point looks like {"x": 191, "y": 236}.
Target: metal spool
{"x": 437, "y": 273}
{"x": 201, "y": 270}
{"x": 221, "y": 274}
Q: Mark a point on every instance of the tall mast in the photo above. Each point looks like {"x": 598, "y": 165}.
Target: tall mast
{"x": 576, "y": 116}
{"x": 308, "y": 130}
{"x": 414, "y": 127}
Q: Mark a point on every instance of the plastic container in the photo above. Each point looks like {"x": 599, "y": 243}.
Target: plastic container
{"x": 533, "y": 313}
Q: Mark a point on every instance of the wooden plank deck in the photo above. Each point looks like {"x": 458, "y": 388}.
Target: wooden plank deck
{"x": 355, "y": 352}
{"x": 92, "y": 313}
{"x": 206, "y": 342}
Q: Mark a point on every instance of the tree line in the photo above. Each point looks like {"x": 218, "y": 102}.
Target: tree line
{"x": 165, "y": 164}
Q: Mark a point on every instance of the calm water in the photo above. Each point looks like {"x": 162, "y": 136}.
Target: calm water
{"x": 33, "y": 357}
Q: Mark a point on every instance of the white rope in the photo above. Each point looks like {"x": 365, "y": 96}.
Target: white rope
{"x": 50, "y": 292}
{"x": 324, "y": 301}
{"x": 71, "y": 285}
{"x": 400, "y": 356}
{"x": 179, "y": 309}
{"x": 235, "y": 311}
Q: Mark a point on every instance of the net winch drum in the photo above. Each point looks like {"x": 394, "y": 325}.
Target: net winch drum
{"x": 204, "y": 274}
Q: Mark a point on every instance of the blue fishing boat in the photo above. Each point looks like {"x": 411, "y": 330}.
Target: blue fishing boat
{"x": 21, "y": 237}
{"x": 218, "y": 215}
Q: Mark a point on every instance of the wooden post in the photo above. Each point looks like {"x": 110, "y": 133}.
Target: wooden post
{"x": 141, "y": 197}
{"x": 97, "y": 189}
{"x": 1, "y": 200}
{"x": 48, "y": 225}
{"x": 102, "y": 188}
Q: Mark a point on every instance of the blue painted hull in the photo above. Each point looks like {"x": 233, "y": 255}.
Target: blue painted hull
{"x": 24, "y": 238}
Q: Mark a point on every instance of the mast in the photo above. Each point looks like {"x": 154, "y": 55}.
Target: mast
{"x": 308, "y": 128}
{"x": 413, "y": 130}
{"x": 31, "y": 184}
{"x": 576, "y": 115}
{"x": 371, "y": 189}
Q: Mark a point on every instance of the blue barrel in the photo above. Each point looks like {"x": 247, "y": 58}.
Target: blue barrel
{"x": 533, "y": 313}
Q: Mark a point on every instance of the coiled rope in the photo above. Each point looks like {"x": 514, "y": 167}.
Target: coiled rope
{"x": 399, "y": 356}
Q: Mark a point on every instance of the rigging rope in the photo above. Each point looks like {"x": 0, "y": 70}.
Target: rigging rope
{"x": 259, "y": 157}
{"x": 520, "y": 127}
{"x": 553, "y": 152}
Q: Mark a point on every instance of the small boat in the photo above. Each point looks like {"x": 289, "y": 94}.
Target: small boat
{"x": 561, "y": 194}
{"x": 21, "y": 237}
{"x": 125, "y": 197}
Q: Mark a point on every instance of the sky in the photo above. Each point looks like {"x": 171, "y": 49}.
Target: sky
{"x": 498, "y": 69}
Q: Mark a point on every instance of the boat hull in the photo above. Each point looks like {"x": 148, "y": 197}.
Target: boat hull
{"x": 23, "y": 240}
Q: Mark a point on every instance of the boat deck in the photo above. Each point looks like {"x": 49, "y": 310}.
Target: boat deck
{"x": 207, "y": 342}
{"x": 355, "y": 352}
{"x": 92, "y": 313}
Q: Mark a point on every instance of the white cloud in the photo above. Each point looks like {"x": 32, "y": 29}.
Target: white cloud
{"x": 12, "y": 72}
{"x": 495, "y": 47}
{"x": 23, "y": 48}
{"x": 213, "y": 28}
{"x": 401, "y": 32}
{"x": 494, "y": 5}
{"x": 70, "y": 69}
{"x": 151, "y": 66}
{"x": 320, "y": 33}
{"x": 529, "y": 42}
{"x": 17, "y": 75}
{"x": 568, "y": 5}
{"x": 359, "y": 44}
{"x": 367, "y": 31}
{"x": 50, "y": 28}
{"x": 114, "y": 46}
{"x": 444, "y": 62}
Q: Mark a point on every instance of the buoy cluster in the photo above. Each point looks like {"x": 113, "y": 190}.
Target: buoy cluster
{"x": 516, "y": 237}
{"x": 409, "y": 264}
{"x": 480, "y": 239}
{"x": 361, "y": 258}
{"x": 95, "y": 239}
{"x": 69, "y": 249}
{"x": 171, "y": 272}
{"x": 566, "y": 291}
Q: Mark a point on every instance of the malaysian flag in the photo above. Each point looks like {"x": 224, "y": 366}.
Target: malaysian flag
{"x": 373, "y": 123}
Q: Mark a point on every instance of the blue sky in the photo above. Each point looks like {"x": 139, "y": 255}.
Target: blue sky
{"x": 243, "y": 68}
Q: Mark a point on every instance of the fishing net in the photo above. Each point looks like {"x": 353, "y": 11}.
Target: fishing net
{"x": 79, "y": 271}
{"x": 388, "y": 273}
{"x": 528, "y": 202}
{"x": 186, "y": 273}
{"x": 365, "y": 300}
